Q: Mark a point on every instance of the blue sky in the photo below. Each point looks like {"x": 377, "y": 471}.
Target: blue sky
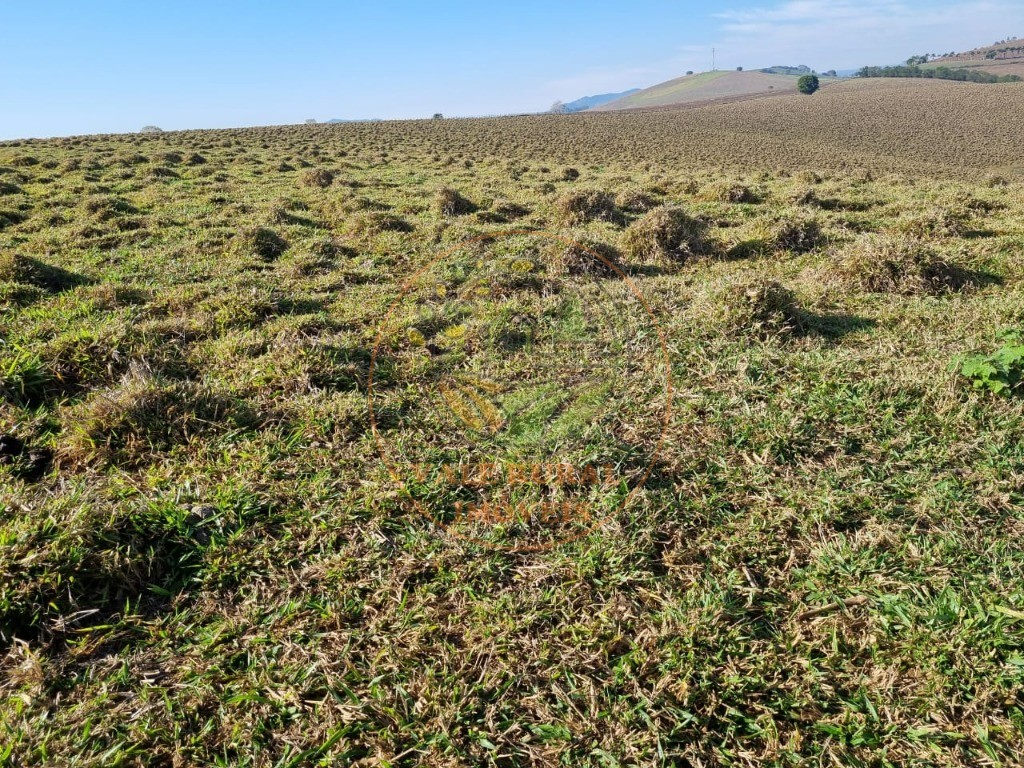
{"x": 71, "y": 67}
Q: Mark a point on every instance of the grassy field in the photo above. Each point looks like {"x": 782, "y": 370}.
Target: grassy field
{"x": 703, "y": 87}
{"x": 208, "y": 559}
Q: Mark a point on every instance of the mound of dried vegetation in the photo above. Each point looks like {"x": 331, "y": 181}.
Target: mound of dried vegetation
{"x": 899, "y": 264}
{"x": 665, "y": 234}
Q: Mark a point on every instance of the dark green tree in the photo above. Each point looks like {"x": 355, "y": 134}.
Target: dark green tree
{"x": 808, "y": 84}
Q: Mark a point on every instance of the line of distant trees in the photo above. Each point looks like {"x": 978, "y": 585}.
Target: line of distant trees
{"x": 1014, "y": 51}
{"x": 1006, "y": 52}
{"x": 938, "y": 73}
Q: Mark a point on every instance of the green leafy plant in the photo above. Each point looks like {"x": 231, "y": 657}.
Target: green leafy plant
{"x": 808, "y": 84}
{"x": 1002, "y": 371}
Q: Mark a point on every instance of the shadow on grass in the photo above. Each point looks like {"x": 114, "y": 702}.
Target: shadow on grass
{"x": 834, "y": 326}
{"x": 646, "y": 270}
{"x": 49, "y": 278}
{"x": 746, "y": 249}
{"x": 835, "y": 204}
{"x": 10, "y": 218}
{"x": 300, "y": 221}
{"x": 133, "y": 565}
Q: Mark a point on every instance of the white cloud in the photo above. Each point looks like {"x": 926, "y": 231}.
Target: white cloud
{"x": 844, "y": 34}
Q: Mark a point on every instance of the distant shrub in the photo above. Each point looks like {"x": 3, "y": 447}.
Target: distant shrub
{"x": 581, "y": 206}
{"x": 994, "y": 180}
{"x": 151, "y": 129}
{"x": 899, "y": 264}
{"x": 9, "y": 189}
{"x": 570, "y": 174}
{"x": 448, "y": 203}
{"x": 318, "y": 177}
{"x": 808, "y": 84}
{"x": 665, "y": 234}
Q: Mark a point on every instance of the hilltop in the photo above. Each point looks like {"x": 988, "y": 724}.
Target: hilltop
{"x": 1011, "y": 49}
{"x": 704, "y": 87}
{"x": 1003, "y": 58}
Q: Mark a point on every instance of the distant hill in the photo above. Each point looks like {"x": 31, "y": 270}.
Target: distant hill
{"x": 1007, "y": 50}
{"x": 706, "y": 86}
{"x": 589, "y": 102}
{"x": 1005, "y": 58}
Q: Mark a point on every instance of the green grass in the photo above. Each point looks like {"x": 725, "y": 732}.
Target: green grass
{"x": 213, "y": 565}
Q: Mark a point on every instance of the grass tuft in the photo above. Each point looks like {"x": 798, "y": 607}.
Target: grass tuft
{"x": 260, "y": 242}
{"x": 449, "y": 203}
{"x": 581, "y": 206}
{"x": 144, "y": 415}
{"x": 728, "y": 192}
{"x": 318, "y": 177}
{"x": 899, "y": 264}
{"x": 584, "y": 257}
{"x": 758, "y": 308}
{"x": 666, "y": 234}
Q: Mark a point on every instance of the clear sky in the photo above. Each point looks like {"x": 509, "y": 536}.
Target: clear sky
{"x": 76, "y": 66}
